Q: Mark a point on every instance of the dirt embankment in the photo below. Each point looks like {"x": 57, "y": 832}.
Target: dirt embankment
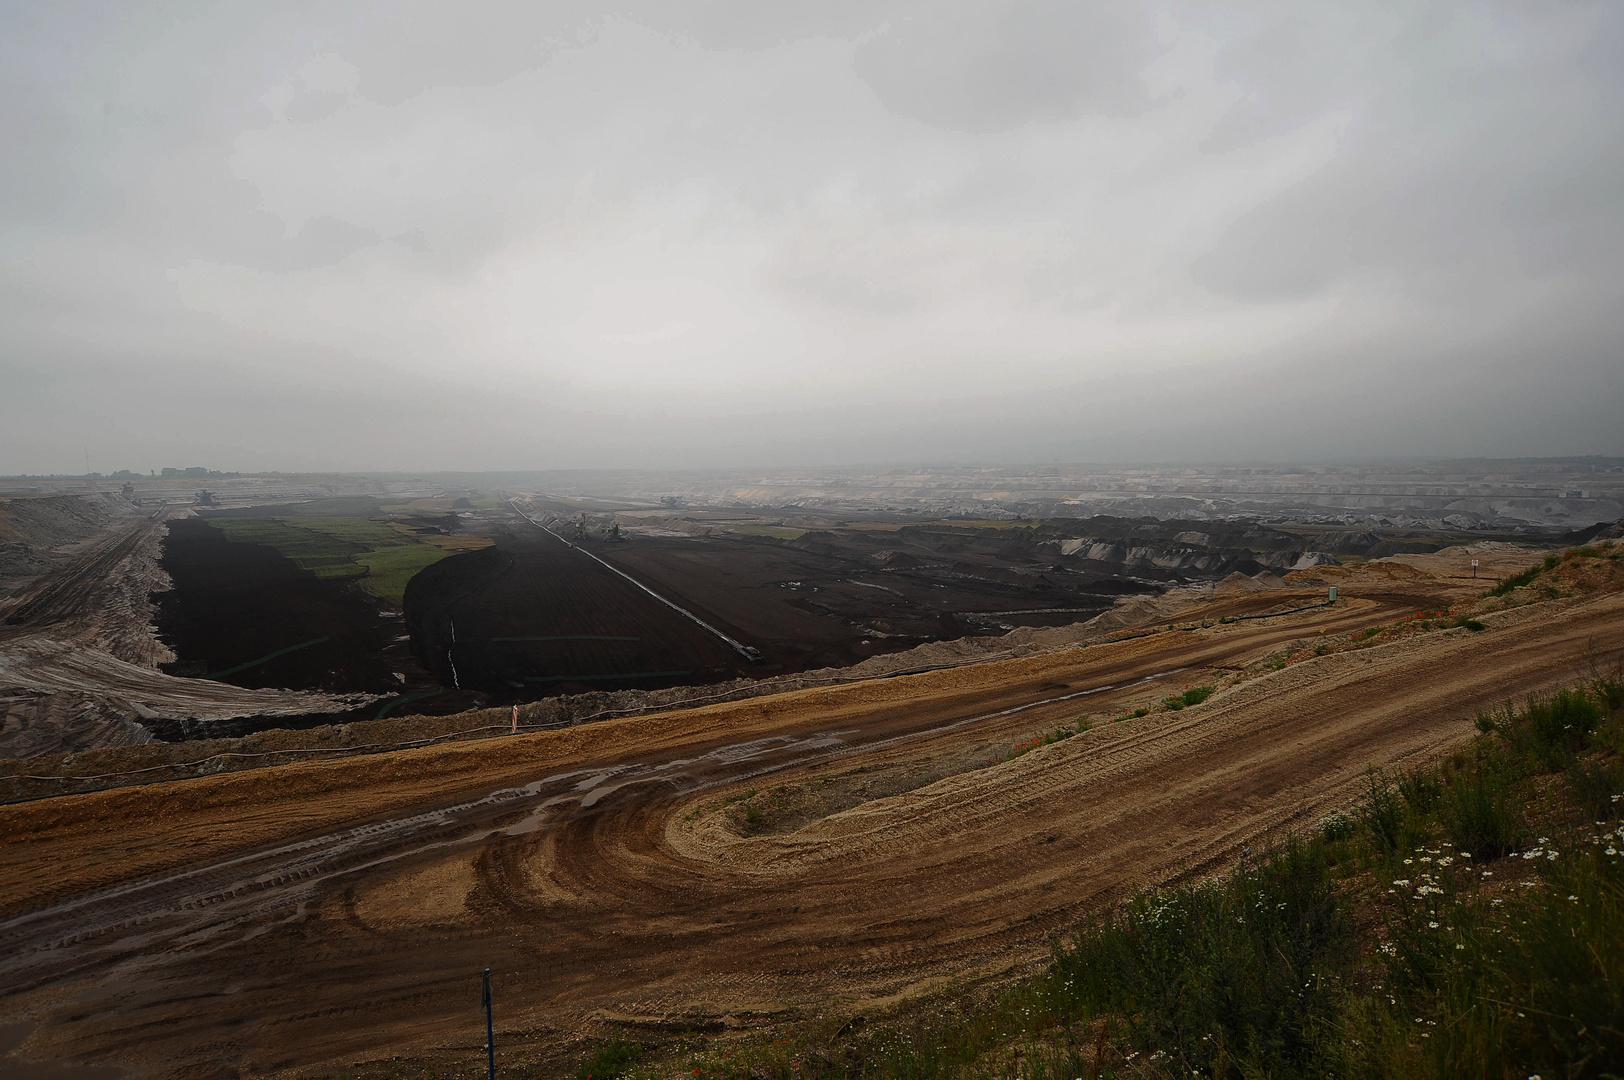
{"x": 99, "y": 768}
{"x": 40, "y": 533}
{"x": 331, "y": 914}
{"x": 1447, "y": 578}
{"x": 79, "y": 656}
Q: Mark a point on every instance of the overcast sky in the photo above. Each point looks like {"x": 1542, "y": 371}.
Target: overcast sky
{"x": 487, "y": 235}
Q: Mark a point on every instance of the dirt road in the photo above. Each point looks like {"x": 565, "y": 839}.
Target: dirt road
{"x": 338, "y": 912}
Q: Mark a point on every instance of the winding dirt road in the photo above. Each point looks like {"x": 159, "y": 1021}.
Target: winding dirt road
{"x": 312, "y": 915}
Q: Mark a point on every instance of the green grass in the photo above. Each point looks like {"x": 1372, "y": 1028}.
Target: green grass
{"x": 388, "y": 569}
{"x": 1243, "y": 970}
{"x": 1191, "y": 695}
{"x": 319, "y": 553}
{"x": 1523, "y": 577}
{"x": 381, "y": 559}
{"x": 1195, "y": 695}
{"x": 609, "y": 1060}
{"x": 1261, "y": 973}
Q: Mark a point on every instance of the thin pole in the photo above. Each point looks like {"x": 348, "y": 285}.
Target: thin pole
{"x": 490, "y": 1029}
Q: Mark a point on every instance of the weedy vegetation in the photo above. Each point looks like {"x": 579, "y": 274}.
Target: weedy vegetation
{"x": 1523, "y": 577}
{"x": 609, "y": 1060}
{"x": 1191, "y": 695}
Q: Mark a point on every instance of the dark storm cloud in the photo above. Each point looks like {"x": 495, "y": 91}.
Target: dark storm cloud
{"x": 499, "y": 234}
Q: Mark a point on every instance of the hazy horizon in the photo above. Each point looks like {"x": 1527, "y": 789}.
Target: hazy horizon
{"x": 486, "y": 237}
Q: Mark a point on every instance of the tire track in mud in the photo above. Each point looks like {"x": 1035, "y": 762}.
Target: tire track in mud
{"x": 212, "y": 899}
{"x": 601, "y": 889}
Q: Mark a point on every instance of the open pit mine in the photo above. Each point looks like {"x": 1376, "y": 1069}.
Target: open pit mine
{"x": 700, "y": 762}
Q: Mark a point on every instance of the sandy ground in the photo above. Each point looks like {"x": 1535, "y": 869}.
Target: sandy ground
{"x": 314, "y": 915}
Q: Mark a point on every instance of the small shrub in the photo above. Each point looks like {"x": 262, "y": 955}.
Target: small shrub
{"x": 1560, "y": 725}
{"x": 613, "y": 1059}
{"x": 1560, "y": 988}
{"x": 1243, "y": 971}
{"x": 1608, "y": 688}
{"x": 1469, "y": 623}
{"x": 1420, "y": 790}
{"x": 1336, "y": 826}
{"x": 1479, "y": 814}
{"x": 1596, "y": 783}
{"x": 1383, "y": 814}
{"x": 1521, "y": 578}
{"x": 1195, "y": 695}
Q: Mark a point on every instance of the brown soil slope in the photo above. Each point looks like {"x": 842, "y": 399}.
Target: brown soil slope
{"x": 332, "y": 912}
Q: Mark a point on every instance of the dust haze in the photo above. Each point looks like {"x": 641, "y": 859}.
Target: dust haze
{"x": 492, "y": 236}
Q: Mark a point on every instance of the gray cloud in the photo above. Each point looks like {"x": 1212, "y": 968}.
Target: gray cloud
{"x": 983, "y": 67}
{"x": 490, "y": 235}
{"x": 1494, "y": 170}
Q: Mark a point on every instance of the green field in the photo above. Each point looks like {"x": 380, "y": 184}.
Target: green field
{"x": 380, "y": 558}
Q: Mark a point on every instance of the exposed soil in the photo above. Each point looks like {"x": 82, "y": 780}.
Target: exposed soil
{"x": 837, "y": 595}
{"x": 79, "y": 662}
{"x": 232, "y": 603}
{"x": 535, "y": 618}
{"x": 332, "y": 914}
{"x": 244, "y": 614}
{"x": 41, "y": 533}
{"x": 219, "y": 746}
{"x": 532, "y": 616}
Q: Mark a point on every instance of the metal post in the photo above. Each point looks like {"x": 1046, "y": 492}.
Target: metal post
{"x": 490, "y": 1029}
